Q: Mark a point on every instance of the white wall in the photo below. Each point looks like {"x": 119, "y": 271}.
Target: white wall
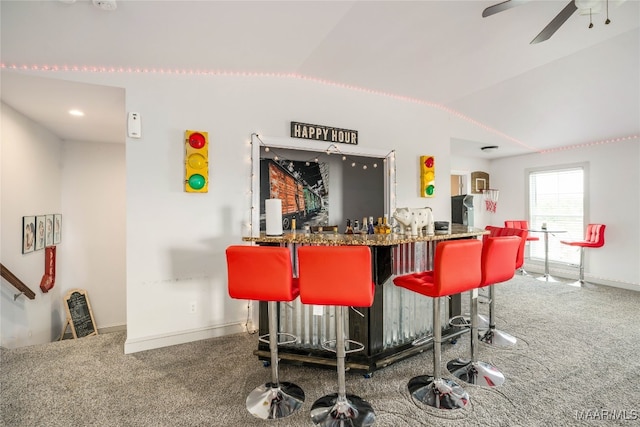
{"x": 31, "y": 176}
{"x": 85, "y": 183}
{"x": 175, "y": 241}
{"x": 614, "y": 200}
{"x": 92, "y": 255}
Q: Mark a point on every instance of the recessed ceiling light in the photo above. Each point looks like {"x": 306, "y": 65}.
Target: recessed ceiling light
{"x": 76, "y": 113}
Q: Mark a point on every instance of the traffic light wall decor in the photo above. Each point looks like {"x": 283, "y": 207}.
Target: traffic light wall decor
{"x": 196, "y": 161}
{"x": 427, "y": 176}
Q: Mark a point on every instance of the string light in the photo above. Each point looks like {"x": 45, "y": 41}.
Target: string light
{"x": 284, "y": 75}
{"x": 214, "y": 73}
{"x": 316, "y": 159}
{"x": 590, "y": 144}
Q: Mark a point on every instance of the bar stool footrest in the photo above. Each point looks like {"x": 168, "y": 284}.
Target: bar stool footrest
{"x": 330, "y": 345}
{"x": 459, "y": 322}
{"x": 289, "y": 338}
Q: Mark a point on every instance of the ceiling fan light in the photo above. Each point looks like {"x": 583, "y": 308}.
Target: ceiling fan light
{"x": 105, "y": 4}
{"x": 489, "y": 148}
{"x": 588, "y": 6}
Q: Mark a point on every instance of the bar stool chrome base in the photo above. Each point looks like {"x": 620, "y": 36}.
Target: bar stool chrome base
{"x": 498, "y": 338}
{"x": 477, "y": 373}
{"x": 548, "y": 278}
{"x": 269, "y": 402}
{"x": 331, "y": 411}
{"x": 441, "y": 393}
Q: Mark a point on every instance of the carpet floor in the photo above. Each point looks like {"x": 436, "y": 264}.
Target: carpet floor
{"x": 576, "y": 362}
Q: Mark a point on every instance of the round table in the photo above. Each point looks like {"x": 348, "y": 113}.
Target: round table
{"x": 547, "y": 277}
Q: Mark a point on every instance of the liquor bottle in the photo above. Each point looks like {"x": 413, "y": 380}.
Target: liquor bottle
{"x": 379, "y": 229}
{"x": 349, "y": 229}
{"x": 356, "y": 227}
{"x": 386, "y": 228}
{"x": 370, "y": 228}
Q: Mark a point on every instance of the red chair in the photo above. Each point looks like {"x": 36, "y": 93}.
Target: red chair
{"x": 594, "y": 238}
{"x": 456, "y": 269}
{"x": 340, "y": 276}
{"x": 524, "y": 225}
{"x": 264, "y": 273}
{"x": 494, "y": 336}
{"x": 498, "y": 254}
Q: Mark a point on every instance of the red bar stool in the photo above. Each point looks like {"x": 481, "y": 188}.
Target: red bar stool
{"x": 494, "y": 336}
{"x": 594, "y": 238}
{"x": 456, "y": 269}
{"x": 498, "y": 255}
{"x": 524, "y": 225}
{"x": 264, "y": 273}
{"x": 340, "y": 276}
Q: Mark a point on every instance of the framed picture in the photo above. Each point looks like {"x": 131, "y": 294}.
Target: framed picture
{"x": 57, "y": 229}
{"x": 48, "y": 231}
{"x": 40, "y": 220}
{"x": 28, "y": 233}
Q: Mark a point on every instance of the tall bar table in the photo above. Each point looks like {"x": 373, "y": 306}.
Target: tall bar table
{"x": 546, "y": 277}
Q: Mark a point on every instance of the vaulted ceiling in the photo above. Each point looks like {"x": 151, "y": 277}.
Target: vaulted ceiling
{"x": 581, "y": 86}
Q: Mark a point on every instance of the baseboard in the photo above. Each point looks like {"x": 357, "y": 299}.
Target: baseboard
{"x": 166, "y": 340}
{"x": 572, "y": 275}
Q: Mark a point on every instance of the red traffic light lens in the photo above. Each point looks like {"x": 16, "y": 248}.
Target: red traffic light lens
{"x": 197, "y": 140}
{"x": 429, "y": 162}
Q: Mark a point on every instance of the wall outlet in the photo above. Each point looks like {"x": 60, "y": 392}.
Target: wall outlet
{"x": 193, "y": 307}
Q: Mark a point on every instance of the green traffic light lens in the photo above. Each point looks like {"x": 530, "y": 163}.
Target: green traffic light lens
{"x": 196, "y": 181}
{"x": 430, "y": 190}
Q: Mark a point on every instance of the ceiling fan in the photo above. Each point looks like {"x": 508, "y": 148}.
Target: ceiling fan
{"x": 584, "y": 6}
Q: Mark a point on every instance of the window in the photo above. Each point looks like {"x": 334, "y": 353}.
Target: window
{"x": 557, "y": 198}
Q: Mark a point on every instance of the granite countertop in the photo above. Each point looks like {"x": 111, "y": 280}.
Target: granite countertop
{"x": 331, "y": 238}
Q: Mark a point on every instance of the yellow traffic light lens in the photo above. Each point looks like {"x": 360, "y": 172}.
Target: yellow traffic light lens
{"x": 196, "y": 181}
{"x": 197, "y": 161}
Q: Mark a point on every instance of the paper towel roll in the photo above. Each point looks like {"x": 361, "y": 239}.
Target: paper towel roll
{"x": 273, "y": 213}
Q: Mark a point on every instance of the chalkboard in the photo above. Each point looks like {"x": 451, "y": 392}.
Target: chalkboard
{"x": 79, "y": 314}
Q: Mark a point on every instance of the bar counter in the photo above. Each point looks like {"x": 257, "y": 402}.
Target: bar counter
{"x": 390, "y": 326}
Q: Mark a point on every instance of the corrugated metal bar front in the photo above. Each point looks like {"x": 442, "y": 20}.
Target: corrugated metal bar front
{"x": 407, "y": 314}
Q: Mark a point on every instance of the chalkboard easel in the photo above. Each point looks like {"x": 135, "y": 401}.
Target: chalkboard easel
{"x": 79, "y": 314}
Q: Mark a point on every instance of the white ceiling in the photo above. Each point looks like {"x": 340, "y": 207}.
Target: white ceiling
{"x": 581, "y": 86}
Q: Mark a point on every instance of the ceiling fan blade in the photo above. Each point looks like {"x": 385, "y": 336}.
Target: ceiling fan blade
{"x": 556, "y": 23}
{"x": 496, "y": 8}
